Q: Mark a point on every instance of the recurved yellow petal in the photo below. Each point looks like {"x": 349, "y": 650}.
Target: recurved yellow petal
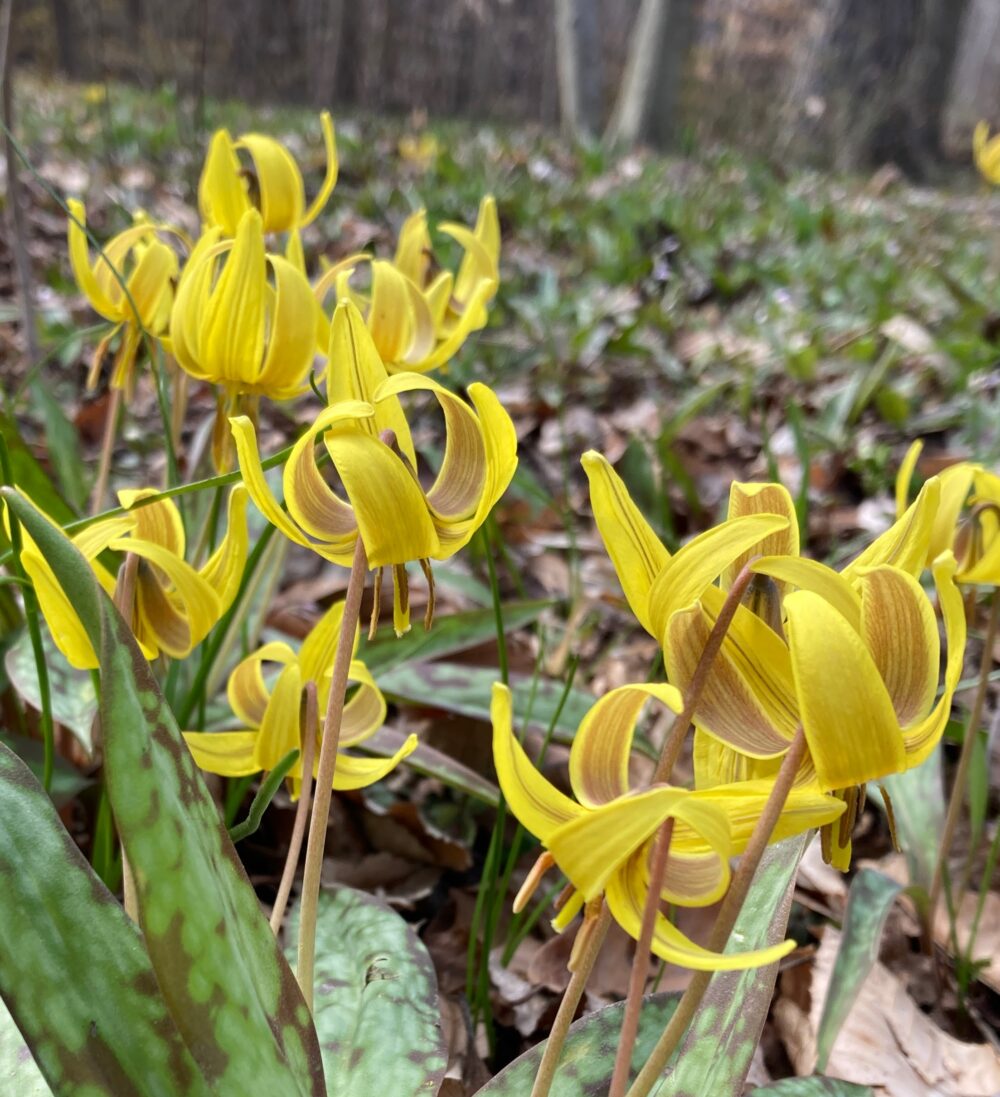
{"x": 246, "y": 690}
{"x": 352, "y": 772}
{"x": 222, "y": 192}
{"x": 365, "y": 712}
{"x": 388, "y": 503}
{"x": 234, "y": 323}
{"x": 853, "y": 733}
{"x": 602, "y": 746}
{"x": 291, "y": 336}
{"x": 694, "y": 566}
{"x": 590, "y": 847}
{"x": 771, "y": 498}
{"x": 332, "y": 168}
{"x": 749, "y": 697}
{"x": 223, "y": 571}
{"x": 79, "y": 257}
{"x": 279, "y": 182}
{"x": 921, "y": 738}
{"x": 637, "y": 553}
{"x": 626, "y": 897}
{"x": 228, "y": 753}
{"x": 906, "y": 542}
{"x": 279, "y": 731}
{"x": 536, "y": 803}
{"x": 905, "y": 475}
{"x": 900, "y": 630}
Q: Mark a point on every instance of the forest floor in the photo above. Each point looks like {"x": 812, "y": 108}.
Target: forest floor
{"x": 696, "y": 320}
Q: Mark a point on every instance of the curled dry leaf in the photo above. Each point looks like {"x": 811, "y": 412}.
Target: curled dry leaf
{"x": 886, "y": 1041}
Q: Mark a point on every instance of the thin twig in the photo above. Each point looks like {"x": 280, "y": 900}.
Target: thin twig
{"x": 107, "y": 449}
{"x": 640, "y": 965}
{"x": 675, "y": 740}
{"x": 728, "y": 913}
{"x": 325, "y": 771}
{"x": 596, "y": 930}
{"x": 307, "y": 717}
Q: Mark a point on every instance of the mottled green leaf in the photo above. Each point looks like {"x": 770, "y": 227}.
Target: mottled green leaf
{"x": 67, "y": 781}
{"x": 868, "y": 904}
{"x": 588, "y": 1056}
{"x": 466, "y": 690}
{"x": 73, "y": 969}
{"x": 231, "y": 993}
{"x": 716, "y": 1053}
{"x": 458, "y": 632}
{"x": 814, "y": 1086}
{"x": 19, "y": 1074}
{"x": 376, "y": 1004}
{"x": 74, "y": 702}
{"x": 918, "y": 805}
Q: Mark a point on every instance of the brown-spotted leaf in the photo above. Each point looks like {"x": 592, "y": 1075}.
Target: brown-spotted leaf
{"x": 231, "y": 993}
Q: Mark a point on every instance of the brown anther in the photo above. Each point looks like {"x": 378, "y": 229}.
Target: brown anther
{"x": 763, "y": 599}
{"x": 542, "y": 865}
{"x": 402, "y": 584}
{"x": 376, "y": 603}
{"x": 563, "y": 897}
{"x": 890, "y": 816}
{"x": 425, "y": 567}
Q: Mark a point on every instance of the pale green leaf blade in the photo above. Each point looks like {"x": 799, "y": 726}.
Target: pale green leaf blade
{"x": 716, "y": 1053}
{"x": 814, "y": 1086}
{"x": 457, "y": 632}
{"x": 376, "y": 1005}
{"x": 589, "y": 1052}
{"x": 868, "y": 904}
{"x": 19, "y": 1072}
{"x": 74, "y": 702}
{"x": 228, "y": 987}
{"x": 73, "y": 969}
{"x": 467, "y": 690}
{"x": 918, "y": 805}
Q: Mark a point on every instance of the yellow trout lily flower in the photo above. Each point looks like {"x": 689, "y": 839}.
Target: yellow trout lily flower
{"x": 986, "y": 152}
{"x": 232, "y": 326}
{"x": 602, "y": 839}
{"x": 176, "y": 605}
{"x": 419, "y": 321}
{"x": 270, "y": 716}
{"x": 273, "y": 184}
{"x": 148, "y": 269}
{"x": 396, "y": 518}
{"x": 968, "y": 524}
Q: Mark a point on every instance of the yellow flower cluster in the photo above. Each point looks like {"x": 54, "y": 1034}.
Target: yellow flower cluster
{"x": 850, "y": 659}
{"x": 240, "y": 316}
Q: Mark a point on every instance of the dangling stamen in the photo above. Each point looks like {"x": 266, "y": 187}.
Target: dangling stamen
{"x": 849, "y": 818}
{"x": 563, "y": 897}
{"x": 400, "y": 599}
{"x": 425, "y": 567}
{"x": 542, "y": 865}
{"x": 376, "y": 603}
{"x": 890, "y": 816}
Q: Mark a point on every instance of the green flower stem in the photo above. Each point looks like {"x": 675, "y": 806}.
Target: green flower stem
{"x": 324, "y": 774}
{"x": 964, "y": 760}
{"x": 658, "y": 861}
{"x": 308, "y": 717}
{"x": 728, "y": 913}
{"x": 596, "y": 929}
{"x": 31, "y": 618}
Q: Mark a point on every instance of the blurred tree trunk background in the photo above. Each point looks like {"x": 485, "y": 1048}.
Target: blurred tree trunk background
{"x": 843, "y": 83}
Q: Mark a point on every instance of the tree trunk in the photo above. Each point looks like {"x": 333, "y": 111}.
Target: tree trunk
{"x": 578, "y": 61}
{"x": 67, "y": 38}
{"x": 974, "y": 87}
{"x": 646, "y": 107}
